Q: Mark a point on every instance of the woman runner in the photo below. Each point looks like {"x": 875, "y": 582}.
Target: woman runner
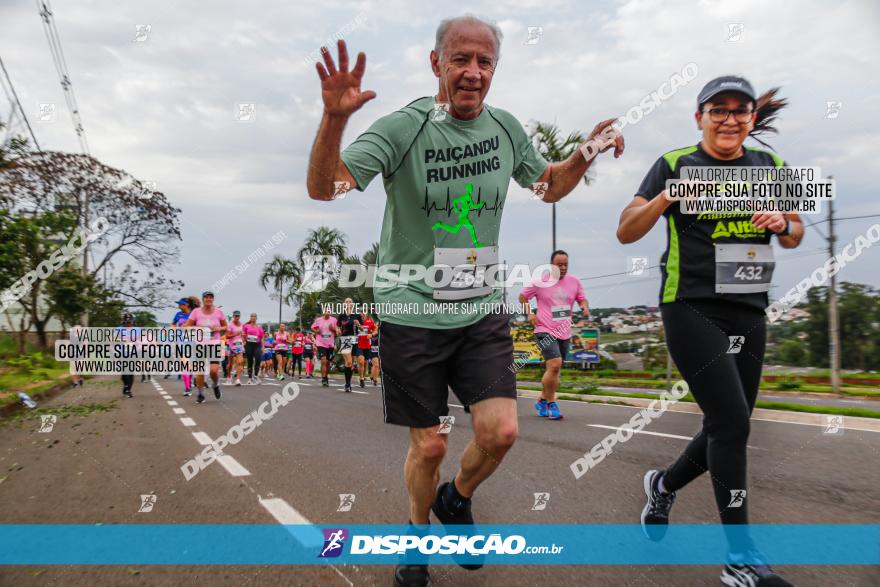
{"x": 715, "y": 277}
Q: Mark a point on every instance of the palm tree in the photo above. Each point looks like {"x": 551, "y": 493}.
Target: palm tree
{"x": 546, "y": 138}
{"x": 324, "y": 241}
{"x": 275, "y": 273}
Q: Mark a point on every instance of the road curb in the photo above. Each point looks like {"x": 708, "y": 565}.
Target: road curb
{"x": 850, "y": 422}
{"x": 51, "y": 392}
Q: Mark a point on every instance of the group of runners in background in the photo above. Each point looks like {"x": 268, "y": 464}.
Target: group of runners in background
{"x": 263, "y": 353}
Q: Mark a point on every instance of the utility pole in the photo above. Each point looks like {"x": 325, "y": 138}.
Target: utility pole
{"x": 503, "y": 282}
{"x": 833, "y": 323}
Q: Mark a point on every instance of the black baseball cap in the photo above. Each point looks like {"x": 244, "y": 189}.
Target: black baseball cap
{"x": 726, "y": 83}
{"x": 207, "y": 293}
{"x": 236, "y": 313}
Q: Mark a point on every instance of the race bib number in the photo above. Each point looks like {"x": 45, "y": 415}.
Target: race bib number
{"x": 561, "y": 312}
{"x": 743, "y": 268}
{"x": 252, "y": 338}
{"x": 467, "y": 269}
{"x": 297, "y": 344}
{"x": 326, "y": 335}
{"x": 281, "y": 346}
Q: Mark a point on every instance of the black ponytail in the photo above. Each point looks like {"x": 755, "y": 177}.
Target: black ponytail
{"x": 767, "y": 108}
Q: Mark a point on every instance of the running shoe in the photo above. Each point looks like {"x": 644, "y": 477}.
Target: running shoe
{"x": 347, "y": 388}
{"x": 325, "y": 382}
{"x": 541, "y": 406}
{"x": 237, "y": 382}
{"x": 655, "y": 514}
{"x": 412, "y": 576}
{"x": 200, "y": 398}
{"x": 126, "y": 392}
{"x": 217, "y": 391}
{"x": 755, "y": 574}
{"x": 454, "y": 511}
{"x": 553, "y": 411}
{"x": 187, "y": 392}
{"x": 362, "y": 383}
{"x": 375, "y": 383}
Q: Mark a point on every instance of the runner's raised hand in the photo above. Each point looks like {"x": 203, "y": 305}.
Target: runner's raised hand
{"x": 340, "y": 88}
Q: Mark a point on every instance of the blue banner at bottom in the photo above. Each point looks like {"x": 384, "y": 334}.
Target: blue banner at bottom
{"x": 497, "y": 544}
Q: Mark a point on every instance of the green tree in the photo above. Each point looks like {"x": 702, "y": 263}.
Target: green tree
{"x": 858, "y": 308}
{"x": 275, "y": 274}
{"x": 792, "y": 352}
{"x": 816, "y": 327}
{"x": 27, "y": 240}
{"x": 69, "y": 294}
{"x": 859, "y": 330}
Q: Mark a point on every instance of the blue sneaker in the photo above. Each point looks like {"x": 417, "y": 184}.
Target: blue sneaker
{"x": 541, "y": 406}
{"x": 554, "y": 413}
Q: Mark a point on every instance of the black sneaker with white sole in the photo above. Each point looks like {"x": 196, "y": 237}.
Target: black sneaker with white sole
{"x": 200, "y": 398}
{"x": 655, "y": 514}
{"x": 454, "y": 512}
{"x": 217, "y": 391}
{"x": 752, "y": 574}
{"x": 412, "y": 576}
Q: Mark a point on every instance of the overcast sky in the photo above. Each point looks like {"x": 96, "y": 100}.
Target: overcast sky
{"x": 164, "y": 109}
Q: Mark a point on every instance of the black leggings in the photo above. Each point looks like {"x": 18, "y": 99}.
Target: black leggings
{"x": 252, "y": 352}
{"x": 725, "y": 386}
{"x": 296, "y": 360}
{"x": 127, "y": 381}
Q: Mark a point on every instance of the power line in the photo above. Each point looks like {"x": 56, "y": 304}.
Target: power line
{"x": 618, "y": 273}
{"x": 844, "y": 218}
{"x": 18, "y": 104}
{"x": 57, "y": 52}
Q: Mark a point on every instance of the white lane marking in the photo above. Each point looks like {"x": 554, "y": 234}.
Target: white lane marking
{"x": 171, "y": 402}
{"x": 641, "y": 431}
{"x": 664, "y": 434}
{"x": 852, "y": 401}
{"x": 232, "y": 466}
{"x": 187, "y": 422}
{"x": 284, "y": 513}
{"x": 179, "y": 411}
{"x": 202, "y": 438}
{"x": 361, "y": 392}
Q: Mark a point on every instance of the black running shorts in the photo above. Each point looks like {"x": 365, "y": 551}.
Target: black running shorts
{"x": 419, "y": 365}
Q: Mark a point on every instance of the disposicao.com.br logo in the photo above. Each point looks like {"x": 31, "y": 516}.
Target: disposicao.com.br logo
{"x": 428, "y": 544}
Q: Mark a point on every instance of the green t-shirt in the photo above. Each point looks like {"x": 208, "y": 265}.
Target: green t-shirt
{"x": 430, "y": 163}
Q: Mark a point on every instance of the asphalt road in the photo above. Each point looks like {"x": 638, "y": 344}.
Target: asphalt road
{"x": 93, "y": 468}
